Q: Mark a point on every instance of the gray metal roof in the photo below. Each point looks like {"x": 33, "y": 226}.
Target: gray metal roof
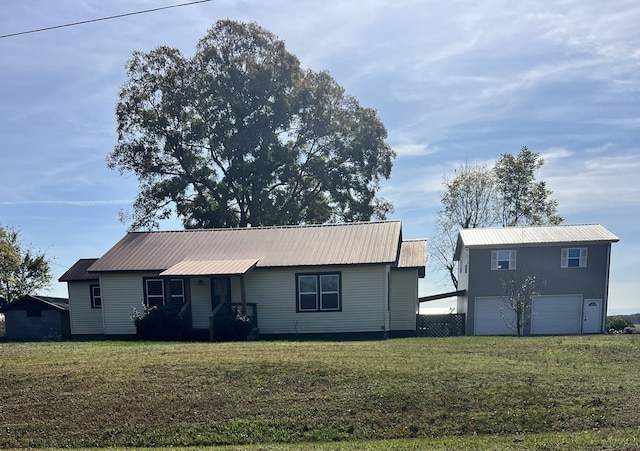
{"x": 413, "y": 254}
{"x": 535, "y": 235}
{"x": 78, "y": 272}
{"x": 308, "y": 245}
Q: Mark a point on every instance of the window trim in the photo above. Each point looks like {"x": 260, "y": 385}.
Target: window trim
{"x": 93, "y": 296}
{"x": 145, "y": 285}
{"x": 565, "y": 257}
{"x": 172, "y": 296}
{"x": 513, "y": 255}
{"x": 318, "y": 292}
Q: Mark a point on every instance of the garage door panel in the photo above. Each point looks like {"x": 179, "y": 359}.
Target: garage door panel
{"x": 492, "y": 316}
{"x": 556, "y": 315}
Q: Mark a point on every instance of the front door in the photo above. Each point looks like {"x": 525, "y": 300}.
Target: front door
{"x": 592, "y": 316}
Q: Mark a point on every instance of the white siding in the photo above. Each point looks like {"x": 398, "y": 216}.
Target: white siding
{"x": 121, "y": 293}
{"x": 84, "y": 319}
{"x": 200, "y": 302}
{"x": 274, "y": 292}
{"x": 403, "y": 302}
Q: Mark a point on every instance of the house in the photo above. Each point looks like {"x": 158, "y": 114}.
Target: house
{"x": 340, "y": 279}
{"x": 569, "y": 265}
{"x": 37, "y": 318}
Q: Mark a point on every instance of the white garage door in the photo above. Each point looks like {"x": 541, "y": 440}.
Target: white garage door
{"x": 490, "y": 321}
{"x": 556, "y": 315}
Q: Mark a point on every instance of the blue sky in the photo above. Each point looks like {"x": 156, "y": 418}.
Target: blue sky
{"x": 458, "y": 81}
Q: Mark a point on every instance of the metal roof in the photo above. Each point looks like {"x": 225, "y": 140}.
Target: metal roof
{"x": 53, "y": 302}
{"x": 306, "y": 245}
{"x": 211, "y": 267}
{"x": 535, "y": 235}
{"x": 413, "y": 254}
{"x": 78, "y": 272}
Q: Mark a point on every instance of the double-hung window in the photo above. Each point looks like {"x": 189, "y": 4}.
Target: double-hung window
{"x": 318, "y": 292}
{"x": 158, "y": 292}
{"x": 176, "y": 291}
{"x": 503, "y": 259}
{"x": 154, "y": 292}
{"x": 96, "y": 296}
{"x": 573, "y": 257}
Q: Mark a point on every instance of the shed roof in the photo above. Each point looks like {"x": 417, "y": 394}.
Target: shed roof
{"x": 205, "y": 267}
{"x": 306, "y": 245}
{"x": 78, "y": 272}
{"x": 534, "y": 235}
{"x": 48, "y": 301}
{"x": 413, "y": 254}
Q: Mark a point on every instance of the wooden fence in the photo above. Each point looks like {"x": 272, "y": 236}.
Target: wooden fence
{"x": 440, "y": 325}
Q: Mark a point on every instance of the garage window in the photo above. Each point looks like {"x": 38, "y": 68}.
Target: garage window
{"x": 573, "y": 257}
{"x": 503, "y": 259}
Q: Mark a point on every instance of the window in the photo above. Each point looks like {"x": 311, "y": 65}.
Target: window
{"x": 318, "y": 292}
{"x": 503, "y": 260}
{"x": 176, "y": 291}
{"x": 575, "y": 257}
{"x": 154, "y": 292}
{"x": 96, "y": 296}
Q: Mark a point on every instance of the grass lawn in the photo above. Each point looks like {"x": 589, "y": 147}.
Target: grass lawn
{"x": 465, "y": 392}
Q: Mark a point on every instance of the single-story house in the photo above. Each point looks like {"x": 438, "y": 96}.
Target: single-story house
{"x": 568, "y": 263}
{"x": 37, "y": 318}
{"x": 341, "y": 279}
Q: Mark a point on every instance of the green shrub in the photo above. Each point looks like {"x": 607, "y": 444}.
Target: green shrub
{"x": 617, "y": 323}
{"x": 229, "y": 325}
{"x": 159, "y": 323}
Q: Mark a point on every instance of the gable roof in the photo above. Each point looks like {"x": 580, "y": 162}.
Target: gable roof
{"x": 282, "y": 246}
{"x": 78, "y": 272}
{"x": 48, "y": 301}
{"x": 534, "y": 235}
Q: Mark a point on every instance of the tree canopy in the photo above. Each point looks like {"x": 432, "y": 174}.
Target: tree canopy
{"x": 239, "y": 134}
{"x": 477, "y": 196}
{"x": 23, "y": 270}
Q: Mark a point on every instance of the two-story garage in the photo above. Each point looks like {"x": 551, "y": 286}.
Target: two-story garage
{"x": 570, "y": 266}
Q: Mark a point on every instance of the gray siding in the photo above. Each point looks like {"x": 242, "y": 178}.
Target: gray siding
{"x": 403, "y": 299}
{"x": 84, "y": 319}
{"x": 543, "y": 262}
{"x": 49, "y": 326}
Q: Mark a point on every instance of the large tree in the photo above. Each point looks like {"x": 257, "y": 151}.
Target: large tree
{"x": 239, "y": 134}
{"x": 477, "y": 196}
{"x": 23, "y": 270}
{"x": 523, "y": 199}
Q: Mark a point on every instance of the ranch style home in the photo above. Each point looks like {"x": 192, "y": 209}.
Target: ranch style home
{"x": 570, "y": 264}
{"x": 340, "y": 279}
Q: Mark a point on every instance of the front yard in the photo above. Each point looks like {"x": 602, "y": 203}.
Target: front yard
{"x": 99, "y": 394}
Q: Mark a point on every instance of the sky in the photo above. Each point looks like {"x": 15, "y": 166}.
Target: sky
{"x": 453, "y": 82}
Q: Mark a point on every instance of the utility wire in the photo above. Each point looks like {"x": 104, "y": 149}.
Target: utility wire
{"x": 102, "y": 18}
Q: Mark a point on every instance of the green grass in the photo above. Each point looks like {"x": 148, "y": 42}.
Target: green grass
{"x": 529, "y": 392}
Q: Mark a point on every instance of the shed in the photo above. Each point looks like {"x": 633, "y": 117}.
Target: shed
{"x": 37, "y": 318}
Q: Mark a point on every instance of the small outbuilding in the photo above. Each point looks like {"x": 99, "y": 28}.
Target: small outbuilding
{"x": 37, "y": 318}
